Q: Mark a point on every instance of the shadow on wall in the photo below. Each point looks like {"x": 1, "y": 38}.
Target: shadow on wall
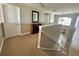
{"x": 3, "y": 32}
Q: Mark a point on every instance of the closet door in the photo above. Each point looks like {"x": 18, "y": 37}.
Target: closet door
{"x": 12, "y": 20}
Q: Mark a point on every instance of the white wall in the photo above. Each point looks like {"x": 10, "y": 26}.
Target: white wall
{"x": 74, "y": 48}
{"x": 52, "y": 18}
{"x": 1, "y": 13}
{"x": 47, "y": 18}
{"x": 1, "y": 33}
{"x": 26, "y": 16}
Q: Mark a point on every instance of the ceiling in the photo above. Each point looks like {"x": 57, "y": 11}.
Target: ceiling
{"x": 57, "y": 7}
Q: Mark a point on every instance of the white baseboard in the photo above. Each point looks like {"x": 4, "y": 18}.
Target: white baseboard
{"x": 25, "y": 33}
{"x": 1, "y": 44}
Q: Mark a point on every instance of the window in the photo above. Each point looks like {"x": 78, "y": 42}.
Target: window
{"x": 65, "y": 21}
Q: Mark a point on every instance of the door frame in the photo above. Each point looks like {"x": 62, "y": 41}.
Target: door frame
{"x": 19, "y": 18}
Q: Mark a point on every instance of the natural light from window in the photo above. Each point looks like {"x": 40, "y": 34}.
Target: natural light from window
{"x": 65, "y": 21}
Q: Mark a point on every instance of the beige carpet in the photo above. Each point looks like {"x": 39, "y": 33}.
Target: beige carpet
{"x": 25, "y": 46}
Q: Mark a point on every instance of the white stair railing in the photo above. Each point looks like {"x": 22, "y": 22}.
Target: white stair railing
{"x": 50, "y": 38}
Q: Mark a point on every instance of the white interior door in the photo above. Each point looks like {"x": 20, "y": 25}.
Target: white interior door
{"x": 12, "y": 20}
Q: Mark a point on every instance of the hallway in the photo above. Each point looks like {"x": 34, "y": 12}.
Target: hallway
{"x": 25, "y": 46}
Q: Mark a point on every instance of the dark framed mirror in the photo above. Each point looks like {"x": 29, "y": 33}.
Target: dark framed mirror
{"x": 35, "y": 16}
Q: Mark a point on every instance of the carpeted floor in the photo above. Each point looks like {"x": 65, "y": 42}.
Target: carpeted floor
{"x": 25, "y": 46}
